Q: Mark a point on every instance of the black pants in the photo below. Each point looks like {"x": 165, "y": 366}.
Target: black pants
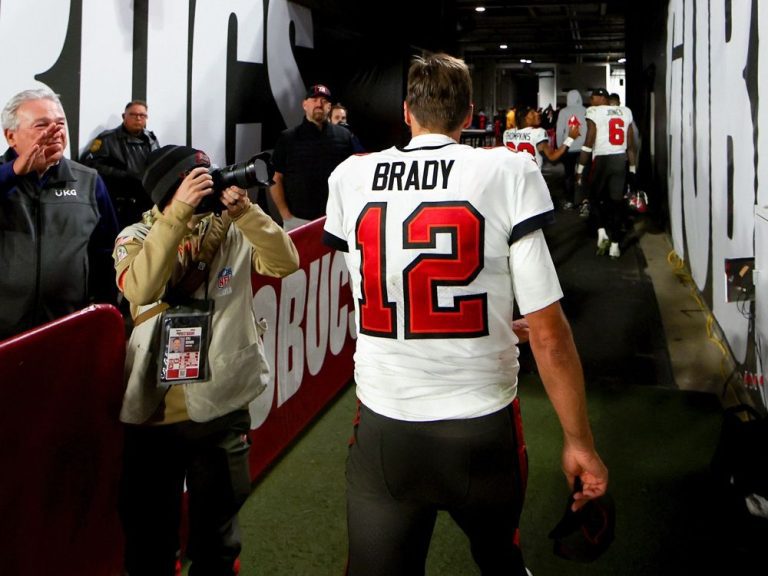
{"x": 399, "y": 474}
{"x": 212, "y": 458}
{"x": 608, "y": 182}
{"x": 569, "y": 160}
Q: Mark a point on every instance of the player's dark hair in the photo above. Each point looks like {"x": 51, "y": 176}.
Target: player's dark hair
{"x": 521, "y": 112}
{"x": 439, "y": 91}
{"x": 136, "y": 103}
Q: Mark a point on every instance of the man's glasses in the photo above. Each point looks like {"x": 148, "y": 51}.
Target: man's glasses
{"x": 137, "y": 115}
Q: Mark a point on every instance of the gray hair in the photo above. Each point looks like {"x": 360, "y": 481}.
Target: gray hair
{"x": 10, "y": 118}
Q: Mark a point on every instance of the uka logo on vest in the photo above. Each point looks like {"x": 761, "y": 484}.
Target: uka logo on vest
{"x": 65, "y": 192}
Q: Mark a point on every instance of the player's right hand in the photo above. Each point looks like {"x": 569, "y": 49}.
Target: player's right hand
{"x": 587, "y": 465}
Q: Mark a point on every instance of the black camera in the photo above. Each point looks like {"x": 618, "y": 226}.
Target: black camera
{"x": 255, "y": 172}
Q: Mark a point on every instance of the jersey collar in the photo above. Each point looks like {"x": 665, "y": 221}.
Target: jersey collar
{"x": 429, "y": 141}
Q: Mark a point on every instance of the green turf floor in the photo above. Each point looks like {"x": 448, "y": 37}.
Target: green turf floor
{"x": 657, "y": 442}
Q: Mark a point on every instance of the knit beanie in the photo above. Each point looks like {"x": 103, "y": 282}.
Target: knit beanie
{"x": 166, "y": 167}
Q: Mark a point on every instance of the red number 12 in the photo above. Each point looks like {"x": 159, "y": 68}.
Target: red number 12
{"x": 424, "y": 317}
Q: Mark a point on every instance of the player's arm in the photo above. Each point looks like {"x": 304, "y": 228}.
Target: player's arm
{"x": 586, "y": 150}
{"x": 631, "y": 150}
{"x": 560, "y": 369}
{"x": 553, "y": 155}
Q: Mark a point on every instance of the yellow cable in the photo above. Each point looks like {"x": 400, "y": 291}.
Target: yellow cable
{"x": 681, "y": 272}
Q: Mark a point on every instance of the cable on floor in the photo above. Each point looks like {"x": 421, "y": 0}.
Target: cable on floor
{"x": 681, "y": 271}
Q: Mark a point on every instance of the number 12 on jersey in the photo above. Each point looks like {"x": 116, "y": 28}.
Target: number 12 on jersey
{"x": 422, "y": 278}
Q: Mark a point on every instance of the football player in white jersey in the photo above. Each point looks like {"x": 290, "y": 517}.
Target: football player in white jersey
{"x": 440, "y": 239}
{"x": 611, "y": 148}
{"x": 530, "y": 137}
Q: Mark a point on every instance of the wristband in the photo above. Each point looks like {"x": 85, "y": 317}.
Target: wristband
{"x": 632, "y": 169}
{"x": 579, "y": 168}
{"x": 567, "y": 142}
{"x": 586, "y": 149}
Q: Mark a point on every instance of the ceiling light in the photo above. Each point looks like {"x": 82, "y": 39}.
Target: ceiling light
{"x": 503, "y": 46}
{"x": 525, "y": 61}
{"x": 480, "y": 9}
{"x": 621, "y": 60}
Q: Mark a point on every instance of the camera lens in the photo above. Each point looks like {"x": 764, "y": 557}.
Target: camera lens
{"x": 257, "y": 171}
{"x": 242, "y": 175}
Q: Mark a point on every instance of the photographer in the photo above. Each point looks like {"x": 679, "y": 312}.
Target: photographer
{"x": 187, "y": 274}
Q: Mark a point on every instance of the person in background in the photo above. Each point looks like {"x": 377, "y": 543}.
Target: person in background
{"x": 304, "y": 157}
{"x": 339, "y": 114}
{"x": 530, "y": 137}
{"x": 58, "y": 224}
{"x": 339, "y": 117}
{"x": 610, "y": 146}
{"x": 436, "y": 364}
{"x": 510, "y": 119}
{"x": 119, "y": 155}
{"x": 574, "y": 112}
{"x": 185, "y": 424}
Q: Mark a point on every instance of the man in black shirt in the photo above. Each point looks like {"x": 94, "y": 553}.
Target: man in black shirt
{"x": 119, "y": 155}
{"x": 304, "y": 157}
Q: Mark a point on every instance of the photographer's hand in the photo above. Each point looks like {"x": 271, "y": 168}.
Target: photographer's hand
{"x": 195, "y": 186}
{"x": 236, "y": 201}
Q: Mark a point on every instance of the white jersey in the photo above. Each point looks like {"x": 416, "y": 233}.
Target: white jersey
{"x": 612, "y": 124}
{"x": 526, "y": 140}
{"x": 439, "y": 238}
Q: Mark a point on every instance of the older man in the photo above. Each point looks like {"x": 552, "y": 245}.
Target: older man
{"x": 58, "y": 225}
{"x": 120, "y": 156}
{"x": 304, "y": 157}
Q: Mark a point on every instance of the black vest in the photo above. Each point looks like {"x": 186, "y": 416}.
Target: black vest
{"x": 45, "y": 229}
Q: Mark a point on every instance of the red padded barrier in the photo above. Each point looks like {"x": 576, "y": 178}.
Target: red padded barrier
{"x": 61, "y": 386}
{"x": 277, "y": 425}
{"x": 61, "y": 446}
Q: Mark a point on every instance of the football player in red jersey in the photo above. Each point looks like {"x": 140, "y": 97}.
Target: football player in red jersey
{"x": 440, "y": 240}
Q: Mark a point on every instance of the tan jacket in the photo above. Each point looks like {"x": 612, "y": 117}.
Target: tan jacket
{"x": 147, "y": 255}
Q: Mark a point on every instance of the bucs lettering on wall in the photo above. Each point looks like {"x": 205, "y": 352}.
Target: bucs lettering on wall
{"x": 192, "y": 60}
{"x": 717, "y": 69}
{"x": 309, "y": 343}
{"x": 222, "y": 77}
